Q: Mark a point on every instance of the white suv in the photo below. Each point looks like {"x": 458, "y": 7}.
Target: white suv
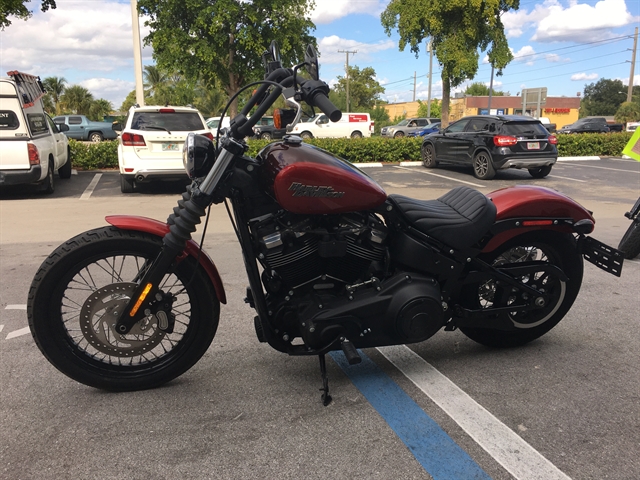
{"x": 151, "y": 143}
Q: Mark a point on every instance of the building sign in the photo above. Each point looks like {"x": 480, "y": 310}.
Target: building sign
{"x": 557, "y": 110}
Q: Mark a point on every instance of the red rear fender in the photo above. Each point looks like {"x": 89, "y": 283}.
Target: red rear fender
{"x": 531, "y": 202}
{"x": 155, "y": 227}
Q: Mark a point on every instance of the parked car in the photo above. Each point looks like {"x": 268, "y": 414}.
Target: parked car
{"x": 354, "y": 125}
{"x": 151, "y": 143}
{"x": 591, "y": 125}
{"x": 266, "y": 130}
{"x": 407, "y": 126}
{"x": 81, "y": 128}
{"x": 428, "y": 130}
{"x": 493, "y": 142}
{"x": 632, "y": 126}
{"x": 32, "y": 147}
{"x": 214, "y": 122}
{"x": 547, "y": 124}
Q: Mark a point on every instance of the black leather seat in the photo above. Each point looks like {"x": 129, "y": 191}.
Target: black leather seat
{"x": 460, "y": 218}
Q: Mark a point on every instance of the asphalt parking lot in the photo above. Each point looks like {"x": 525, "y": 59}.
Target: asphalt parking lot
{"x": 565, "y": 406}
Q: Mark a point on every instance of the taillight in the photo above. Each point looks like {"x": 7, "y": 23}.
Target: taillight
{"x": 167, "y": 110}
{"x": 133, "y": 140}
{"x": 209, "y": 135}
{"x": 553, "y": 140}
{"x": 504, "y": 141}
{"x": 34, "y": 155}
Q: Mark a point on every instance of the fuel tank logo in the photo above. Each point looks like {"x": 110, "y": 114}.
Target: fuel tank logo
{"x": 300, "y": 190}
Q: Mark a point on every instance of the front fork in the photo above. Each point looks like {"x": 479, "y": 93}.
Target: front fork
{"x": 182, "y": 223}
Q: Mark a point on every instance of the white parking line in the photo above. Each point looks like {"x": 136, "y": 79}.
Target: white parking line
{"x": 91, "y": 187}
{"x": 441, "y": 176}
{"x": 1, "y": 327}
{"x": 567, "y": 178}
{"x": 602, "y": 168}
{"x": 518, "y": 457}
{"x": 15, "y": 307}
{"x": 18, "y": 333}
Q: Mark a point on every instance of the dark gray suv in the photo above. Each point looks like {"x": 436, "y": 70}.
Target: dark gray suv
{"x": 493, "y": 142}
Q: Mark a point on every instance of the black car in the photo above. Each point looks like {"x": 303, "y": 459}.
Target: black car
{"x": 587, "y": 125}
{"x": 266, "y": 130}
{"x": 493, "y": 142}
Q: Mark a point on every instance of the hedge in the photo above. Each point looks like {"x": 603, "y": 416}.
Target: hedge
{"x": 104, "y": 155}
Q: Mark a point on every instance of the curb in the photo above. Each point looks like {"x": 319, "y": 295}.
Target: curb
{"x": 417, "y": 164}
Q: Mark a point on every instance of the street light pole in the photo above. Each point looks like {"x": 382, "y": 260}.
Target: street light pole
{"x": 137, "y": 53}
{"x": 633, "y": 65}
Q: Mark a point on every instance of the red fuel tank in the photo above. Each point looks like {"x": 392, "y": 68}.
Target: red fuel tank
{"x": 308, "y": 180}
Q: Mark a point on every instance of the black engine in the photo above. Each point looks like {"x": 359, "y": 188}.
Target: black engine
{"x": 328, "y": 277}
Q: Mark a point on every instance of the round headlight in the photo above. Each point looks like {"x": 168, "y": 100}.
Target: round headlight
{"x": 198, "y": 155}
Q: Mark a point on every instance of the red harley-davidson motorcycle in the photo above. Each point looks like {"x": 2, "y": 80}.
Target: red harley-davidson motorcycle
{"x": 333, "y": 262}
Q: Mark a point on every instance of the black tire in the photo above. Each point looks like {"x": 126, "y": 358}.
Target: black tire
{"x": 356, "y": 134}
{"x": 64, "y": 171}
{"x": 47, "y": 186}
{"x": 127, "y": 184}
{"x": 540, "y": 172}
{"x": 95, "y": 137}
{"x": 265, "y": 136}
{"x": 428, "y": 156}
{"x": 398, "y": 135}
{"x": 558, "y": 249}
{"x": 77, "y": 292}
{"x": 483, "y": 166}
{"x": 306, "y": 135}
{"x": 630, "y": 243}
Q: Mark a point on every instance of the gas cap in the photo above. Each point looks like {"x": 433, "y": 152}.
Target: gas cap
{"x": 292, "y": 140}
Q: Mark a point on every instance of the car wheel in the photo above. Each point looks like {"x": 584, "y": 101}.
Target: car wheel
{"x": 95, "y": 137}
{"x": 65, "y": 170}
{"x": 127, "y": 184}
{"x": 398, "y": 135}
{"x": 265, "y": 136}
{"x": 356, "y": 135}
{"x": 540, "y": 172}
{"x": 428, "y": 156}
{"x": 483, "y": 166}
{"x": 47, "y": 184}
{"x": 306, "y": 135}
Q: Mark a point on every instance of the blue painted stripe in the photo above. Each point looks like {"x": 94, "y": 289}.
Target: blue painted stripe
{"x": 438, "y": 454}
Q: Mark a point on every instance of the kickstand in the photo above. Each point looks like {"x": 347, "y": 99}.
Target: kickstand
{"x": 326, "y": 398}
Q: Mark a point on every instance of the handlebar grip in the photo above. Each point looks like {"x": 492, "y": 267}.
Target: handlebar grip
{"x": 321, "y": 101}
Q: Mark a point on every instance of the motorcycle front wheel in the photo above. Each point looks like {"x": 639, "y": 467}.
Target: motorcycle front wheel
{"x": 630, "y": 242}
{"x": 552, "y": 247}
{"x": 78, "y": 291}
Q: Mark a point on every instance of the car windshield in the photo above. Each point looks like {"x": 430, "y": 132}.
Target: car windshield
{"x": 524, "y": 128}
{"x": 170, "y": 121}
{"x": 403, "y": 123}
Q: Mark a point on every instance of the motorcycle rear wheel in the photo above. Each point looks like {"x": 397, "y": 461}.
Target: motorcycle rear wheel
{"x": 630, "y": 243}
{"x": 555, "y": 248}
{"x": 77, "y": 292}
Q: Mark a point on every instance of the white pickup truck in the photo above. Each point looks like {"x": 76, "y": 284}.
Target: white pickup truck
{"x": 32, "y": 147}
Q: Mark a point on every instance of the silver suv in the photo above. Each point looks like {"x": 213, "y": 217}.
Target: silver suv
{"x": 406, "y": 126}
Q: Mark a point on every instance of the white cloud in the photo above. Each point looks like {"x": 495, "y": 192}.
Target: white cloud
{"x": 577, "y": 77}
{"x": 329, "y": 49}
{"x": 107, "y": 88}
{"x": 582, "y": 22}
{"x": 515, "y": 22}
{"x": 326, "y": 11}
{"x": 526, "y": 54}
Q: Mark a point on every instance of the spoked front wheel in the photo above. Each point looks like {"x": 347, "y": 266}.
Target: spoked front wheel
{"x": 79, "y": 292}
{"x": 558, "y": 295}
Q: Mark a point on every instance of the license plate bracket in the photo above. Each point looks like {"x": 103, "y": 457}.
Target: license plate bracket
{"x": 602, "y": 256}
{"x": 170, "y": 147}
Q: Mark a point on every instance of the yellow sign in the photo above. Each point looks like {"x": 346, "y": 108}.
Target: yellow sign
{"x": 632, "y": 148}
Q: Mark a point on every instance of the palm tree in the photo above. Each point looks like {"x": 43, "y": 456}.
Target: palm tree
{"x": 100, "y": 108}
{"x": 55, "y": 87}
{"x": 76, "y": 99}
{"x": 155, "y": 83}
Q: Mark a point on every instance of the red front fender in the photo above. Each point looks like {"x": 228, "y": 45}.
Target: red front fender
{"x": 532, "y": 202}
{"x": 155, "y": 227}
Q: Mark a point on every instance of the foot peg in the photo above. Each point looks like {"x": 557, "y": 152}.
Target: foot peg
{"x": 353, "y": 357}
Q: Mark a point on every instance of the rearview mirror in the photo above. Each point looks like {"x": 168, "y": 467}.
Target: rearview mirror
{"x": 311, "y": 62}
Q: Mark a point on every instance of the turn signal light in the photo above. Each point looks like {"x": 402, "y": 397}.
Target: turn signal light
{"x": 34, "y": 155}
{"x": 504, "y": 141}
{"x": 133, "y": 140}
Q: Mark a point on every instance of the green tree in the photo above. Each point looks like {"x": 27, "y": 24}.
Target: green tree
{"x": 364, "y": 89}
{"x": 479, "y": 89}
{"x": 99, "y": 109}
{"x": 17, "y": 8}
{"x": 155, "y": 84}
{"x": 55, "y": 88}
{"x": 457, "y": 28}
{"x": 628, "y": 112}
{"x": 380, "y": 116}
{"x": 436, "y": 108}
{"x": 77, "y": 100}
{"x": 603, "y": 97}
{"x": 221, "y": 42}
{"x": 128, "y": 102}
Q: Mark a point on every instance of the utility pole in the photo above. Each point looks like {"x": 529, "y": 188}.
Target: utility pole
{"x": 347, "y": 70}
{"x": 633, "y": 66}
{"x": 137, "y": 53}
{"x": 490, "y": 89}
{"x": 429, "y": 47}
{"x": 414, "y": 86}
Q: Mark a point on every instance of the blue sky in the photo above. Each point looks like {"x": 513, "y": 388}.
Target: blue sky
{"x": 559, "y": 44}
